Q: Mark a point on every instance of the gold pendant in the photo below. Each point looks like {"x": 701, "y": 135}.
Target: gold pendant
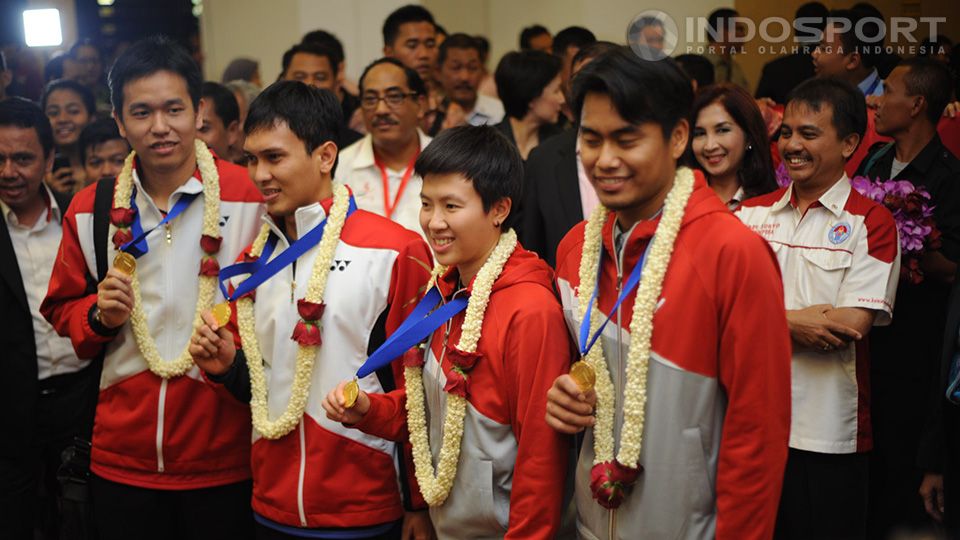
{"x": 125, "y": 263}
{"x": 221, "y": 313}
{"x": 350, "y": 393}
{"x": 582, "y": 373}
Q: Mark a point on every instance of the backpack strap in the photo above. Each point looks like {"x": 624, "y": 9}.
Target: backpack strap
{"x": 102, "y": 205}
{"x": 876, "y": 157}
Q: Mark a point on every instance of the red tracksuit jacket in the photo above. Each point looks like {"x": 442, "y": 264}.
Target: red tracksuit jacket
{"x": 150, "y": 432}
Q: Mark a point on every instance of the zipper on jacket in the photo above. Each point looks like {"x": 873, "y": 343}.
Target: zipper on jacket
{"x": 620, "y": 368}
{"x": 303, "y": 470}
{"x": 438, "y": 388}
{"x": 293, "y": 281}
{"x": 161, "y": 406}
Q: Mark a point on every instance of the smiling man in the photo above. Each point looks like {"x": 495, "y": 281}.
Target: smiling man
{"x": 379, "y": 167}
{"x": 839, "y": 255}
{"x": 353, "y": 284}
{"x": 165, "y": 443}
{"x": 46, "y": 391}
{"x": 706, "y": 437}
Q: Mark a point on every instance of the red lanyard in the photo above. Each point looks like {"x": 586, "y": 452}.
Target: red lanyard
{"x": 387, "y": 207}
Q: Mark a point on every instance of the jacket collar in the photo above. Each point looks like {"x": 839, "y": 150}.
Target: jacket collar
{"x": 926, "y": 157}
{"x": 834, "y": 199}
{"x": 306, "y": 217}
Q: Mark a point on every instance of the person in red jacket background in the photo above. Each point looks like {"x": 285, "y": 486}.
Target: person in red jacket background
{"x": 168, "y": 450}
{"x": 473, "y": 405}
{"x": 692, "y": 391}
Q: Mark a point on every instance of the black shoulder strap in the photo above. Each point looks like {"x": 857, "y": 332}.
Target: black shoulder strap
{"x": 101, "y": 224}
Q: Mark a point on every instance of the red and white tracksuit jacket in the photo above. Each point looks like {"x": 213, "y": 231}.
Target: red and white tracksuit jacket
{"x": 322, "y": 474}
{"x": 150, "y": 432}
{"x": 718, "y": 387}
{"x": 513, "y": 467}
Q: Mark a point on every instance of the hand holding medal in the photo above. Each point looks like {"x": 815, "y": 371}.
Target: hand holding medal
{"x": 115, "y": 293}
{"x": 212, "y": 347}
{"x": 346, "y": 403}
{"x": 583, "y": 375}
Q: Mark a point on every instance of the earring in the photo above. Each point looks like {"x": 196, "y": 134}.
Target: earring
{"x": 749, "y": 147}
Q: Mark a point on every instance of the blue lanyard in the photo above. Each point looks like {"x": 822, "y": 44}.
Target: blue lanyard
{"x": 263, "y": 271}
{"x": 585, "y": 341}
{"x": 138, "y": 246}
{"x": 420, "y": 324}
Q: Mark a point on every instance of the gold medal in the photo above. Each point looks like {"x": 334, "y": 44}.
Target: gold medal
{"x": 221, "y": 313}
{"x": 125, "y": 263}
{"x": 350, "y": 393}
{"x": 583, "y": 375}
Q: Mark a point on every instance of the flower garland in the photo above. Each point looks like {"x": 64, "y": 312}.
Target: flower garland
{"x": 306, "y": 333}
{"x": 435, "y": 484}
{"x": 610, "y": 478}
{"x": 122, "y": 217}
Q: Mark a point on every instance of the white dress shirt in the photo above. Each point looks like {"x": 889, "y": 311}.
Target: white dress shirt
{"x": 36, "y": 248}
{"x": 357, "y": 168}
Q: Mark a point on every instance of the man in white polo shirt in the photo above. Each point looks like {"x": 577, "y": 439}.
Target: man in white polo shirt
{"x": 839, "y": 256}
{"x": 379, "y": 167}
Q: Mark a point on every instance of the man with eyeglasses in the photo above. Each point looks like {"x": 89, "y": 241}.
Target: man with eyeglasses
{"x": 379, "y": 167}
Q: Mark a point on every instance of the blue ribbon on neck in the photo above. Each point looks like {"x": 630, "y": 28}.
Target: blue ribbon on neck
{"x": 586, "y": 342}
{"x": 138, "y": 247}
{"x": 421, "y": 323}
{"x": 262, "y": 271}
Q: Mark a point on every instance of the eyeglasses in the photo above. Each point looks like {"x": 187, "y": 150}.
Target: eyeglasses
{"x": 392, "y": 99}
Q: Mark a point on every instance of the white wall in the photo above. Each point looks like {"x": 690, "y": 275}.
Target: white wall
{"x": 264, "y": 29}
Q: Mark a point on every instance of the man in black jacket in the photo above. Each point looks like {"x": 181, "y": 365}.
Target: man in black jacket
{"x": 905, "y": 355}
{"x": 46, "y": 392}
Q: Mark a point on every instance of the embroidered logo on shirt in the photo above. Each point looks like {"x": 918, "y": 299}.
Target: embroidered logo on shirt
{"x": 340, "y": 266}
{"x": 839, "y": 233}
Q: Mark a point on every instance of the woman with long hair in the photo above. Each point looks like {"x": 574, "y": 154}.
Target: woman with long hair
{"x": 730, "y": 144}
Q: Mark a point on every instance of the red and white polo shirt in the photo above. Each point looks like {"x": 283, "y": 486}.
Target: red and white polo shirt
{"x": 844, "y": 251}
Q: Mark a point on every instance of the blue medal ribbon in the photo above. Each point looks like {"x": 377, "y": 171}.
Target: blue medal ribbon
{"x": 585, "y": 341}
{"x": 262, "y": 271}
{"x": 138, "y": 247}
{"x": 420, "y": 324}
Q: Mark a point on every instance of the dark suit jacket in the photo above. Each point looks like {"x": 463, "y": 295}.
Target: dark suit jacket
{"x": 545, "y": 132}
{"x": 782, "y": 75}
{"x": 18, "y": 350}
{"x": 551, "y": 195}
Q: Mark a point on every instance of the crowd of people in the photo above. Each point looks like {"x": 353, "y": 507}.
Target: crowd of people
{"x": 593, "y": 293}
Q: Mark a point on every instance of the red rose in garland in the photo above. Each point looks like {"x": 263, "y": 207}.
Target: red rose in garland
{"x": 209, "y": 267}
{"x": 456, "y": 384}
{"x": 610, "y": 482}
{"x": 463, "y": 360}
{"x": 310, "y": 311}
{"x": 210, "y": 245}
